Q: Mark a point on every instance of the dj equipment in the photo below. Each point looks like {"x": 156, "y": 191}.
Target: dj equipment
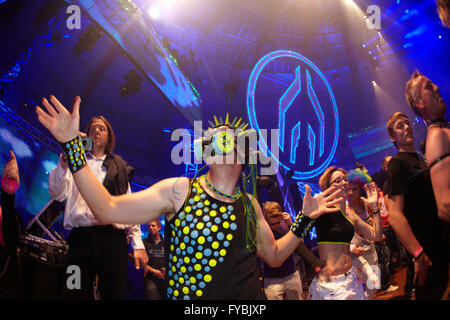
{"x": 37, "y": 268}
{"x": 51, "y": 252}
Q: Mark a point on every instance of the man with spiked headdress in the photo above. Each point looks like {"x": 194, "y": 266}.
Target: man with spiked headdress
{"x": 214, "y": 231}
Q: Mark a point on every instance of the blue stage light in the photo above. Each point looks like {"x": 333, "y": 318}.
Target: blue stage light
{"x": 251, "y": 90}
{"x": 421, "y": 29}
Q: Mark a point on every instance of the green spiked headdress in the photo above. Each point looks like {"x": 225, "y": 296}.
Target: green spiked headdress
{"x": 224, "y": 143}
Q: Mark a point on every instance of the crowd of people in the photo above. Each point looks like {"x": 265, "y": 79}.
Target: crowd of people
{"x": 210, "y": 234}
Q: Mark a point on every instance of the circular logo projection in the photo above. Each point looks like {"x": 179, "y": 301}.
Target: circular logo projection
{"x": 301, "y": 105}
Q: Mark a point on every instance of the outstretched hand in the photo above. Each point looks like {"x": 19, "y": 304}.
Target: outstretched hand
{"x": 61, "y": 124}
{"x": 314, "y": 207}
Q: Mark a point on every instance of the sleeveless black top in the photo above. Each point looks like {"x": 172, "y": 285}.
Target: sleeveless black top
{"x": 334, "y": 228}
{"x": 205, "y": 256}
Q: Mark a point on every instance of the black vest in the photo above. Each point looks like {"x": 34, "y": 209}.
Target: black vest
{"x": 119, "y": 174}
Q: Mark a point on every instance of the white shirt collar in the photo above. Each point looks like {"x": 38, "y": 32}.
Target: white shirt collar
{"x": 90, "y": 155}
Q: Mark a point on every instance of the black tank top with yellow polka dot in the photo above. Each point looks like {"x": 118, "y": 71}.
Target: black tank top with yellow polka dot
{"x": 205, "y": 256}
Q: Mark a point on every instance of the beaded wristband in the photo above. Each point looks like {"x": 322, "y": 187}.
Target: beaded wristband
{"x": 75, "y": 155}
{"x": 301, "y": 225}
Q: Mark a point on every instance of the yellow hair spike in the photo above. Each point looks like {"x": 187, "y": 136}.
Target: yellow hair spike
{"x": 226, "y": 119}
{"x": 237, "y": 124}
{"x": 217, "y": 121}
{"x": 243, "y": 128}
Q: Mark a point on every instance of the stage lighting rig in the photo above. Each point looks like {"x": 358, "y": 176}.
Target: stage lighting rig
{"x": 133, "y": 83}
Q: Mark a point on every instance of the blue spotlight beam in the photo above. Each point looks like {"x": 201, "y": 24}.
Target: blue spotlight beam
{"x": 408, "y": 14}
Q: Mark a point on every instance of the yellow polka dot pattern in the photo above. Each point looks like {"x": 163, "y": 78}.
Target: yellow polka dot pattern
{"x": 75, "y": 155}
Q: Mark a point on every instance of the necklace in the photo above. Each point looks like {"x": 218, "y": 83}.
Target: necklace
{"x": 440, "y": 122}
{"x": 236, "y": 195}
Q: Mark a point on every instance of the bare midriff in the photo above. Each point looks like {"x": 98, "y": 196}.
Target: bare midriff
{"x": 337, "y": 256}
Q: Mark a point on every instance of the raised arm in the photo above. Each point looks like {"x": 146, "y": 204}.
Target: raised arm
{"x": 140, "y": 207}
{"x": 438, "y": 146}
{"x": 12, "y": 223}
{"x": 372, "y": 232}
{"x": 58, "y": 181}
{"x": 274, "y": 253}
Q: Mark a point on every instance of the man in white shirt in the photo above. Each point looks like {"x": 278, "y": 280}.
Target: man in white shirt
{"x": 98, "y": 249}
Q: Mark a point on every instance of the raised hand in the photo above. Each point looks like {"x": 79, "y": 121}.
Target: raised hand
{"x": 314, "y": 207}
{"x": 372, "y": 195}
{"x": 61, "y": 124}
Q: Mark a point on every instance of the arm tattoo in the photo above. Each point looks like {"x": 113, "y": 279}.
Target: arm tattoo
{"x": 175, "y": 193}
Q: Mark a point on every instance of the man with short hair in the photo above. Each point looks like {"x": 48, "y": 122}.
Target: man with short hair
{"x": 155, "y": 273}
{"x": 283, "y": 282}
{"x": 98, "y": 249}
{"x": 424, "y": 99}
